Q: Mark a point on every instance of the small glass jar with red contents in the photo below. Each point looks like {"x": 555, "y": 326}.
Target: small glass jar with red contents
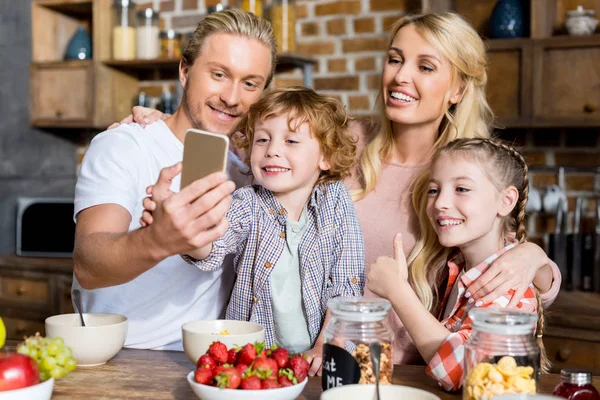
{"x": 576, "y": 384}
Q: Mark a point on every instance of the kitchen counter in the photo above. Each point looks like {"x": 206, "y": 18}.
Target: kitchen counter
{"x": 148, "y": 374}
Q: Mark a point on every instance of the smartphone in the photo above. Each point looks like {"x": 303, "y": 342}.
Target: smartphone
{"x": 203, "y": 153}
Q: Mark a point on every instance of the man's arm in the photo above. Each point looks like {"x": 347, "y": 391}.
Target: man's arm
{"x": 106, "y": 254}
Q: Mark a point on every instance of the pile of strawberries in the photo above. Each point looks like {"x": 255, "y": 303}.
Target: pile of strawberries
{"x": 252, "y": 367}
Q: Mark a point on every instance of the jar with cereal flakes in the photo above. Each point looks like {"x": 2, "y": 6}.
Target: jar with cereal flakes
{"x": 355, "y": 323}
{"x": 501, "y": 355}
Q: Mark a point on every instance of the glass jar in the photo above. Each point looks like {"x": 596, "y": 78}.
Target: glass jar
{"x": 355, "y": 323}
{"x": 501, "y": 355}
{"x": 123, "y": 32}
{"x": 148, "y": 31}
{"x": 282, "y": 14}
{"x": 252, "y": 6}
{"x": 576, "y": 384}
{"x": 170, "y": 44}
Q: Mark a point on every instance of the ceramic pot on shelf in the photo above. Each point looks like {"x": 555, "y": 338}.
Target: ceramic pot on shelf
{"x": 507, "y": 20}
{"x": 581, "y": 22}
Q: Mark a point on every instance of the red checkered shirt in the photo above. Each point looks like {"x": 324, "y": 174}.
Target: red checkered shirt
{"x": 446, "y": 366}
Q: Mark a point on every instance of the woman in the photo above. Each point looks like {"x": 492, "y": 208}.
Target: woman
{"x": 432, "y": 91}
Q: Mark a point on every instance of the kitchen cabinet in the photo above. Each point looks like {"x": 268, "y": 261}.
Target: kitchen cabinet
{"x": 32, "y": 289}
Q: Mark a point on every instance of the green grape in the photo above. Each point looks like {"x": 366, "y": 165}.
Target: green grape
{"x": 23, "y": 349}
{"x": 58, "y": 372}
{"x": 52, "y": 349}
{"x": 58, "y": 341}
{"x": 48, "y": 363}
{"x": 44, "y": 376}
{"x": 61, "y": 358}
{"x": 33, "y": 353}
{"x": 43, "y": 353}
{"x": 68, "y": 351}
{"x": 70, "y": 364}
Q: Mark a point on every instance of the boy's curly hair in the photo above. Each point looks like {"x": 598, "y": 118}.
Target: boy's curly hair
{"x": 327, "y": 120}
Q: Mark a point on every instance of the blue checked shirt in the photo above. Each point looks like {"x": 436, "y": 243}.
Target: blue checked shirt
{"x": 332, "y": 254}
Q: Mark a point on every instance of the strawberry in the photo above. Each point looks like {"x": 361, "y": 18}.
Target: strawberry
{"x": 247, "y": 354}
{"x": 218, "y": 369}
{"x": 231, "y": 357}
{"x": 284, "y": 381}
{"x": 269, "y": 384}
{"x": 299, "y": 367}
{"x": 280, "y": 356}
{"x": 206, "y": 361}
{"x": 251, "y": 382}
{"x": 242, "y": 368}
{"x": 230, "y": 378}
{"x": 267, "y": 368}
{"x": 218, "y": 351}
{"x": 204, "y": 376}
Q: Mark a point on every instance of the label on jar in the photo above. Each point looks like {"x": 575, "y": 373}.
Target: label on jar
{"x": 339, "y": 367}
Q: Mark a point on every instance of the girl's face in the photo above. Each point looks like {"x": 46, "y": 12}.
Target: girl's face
{"x": 284, "y": 161}
{"x": 464, "y": 206}
{"x": 417, "y": 81}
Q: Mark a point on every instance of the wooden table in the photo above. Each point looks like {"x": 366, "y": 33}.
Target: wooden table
{"x": 147, "y": 374}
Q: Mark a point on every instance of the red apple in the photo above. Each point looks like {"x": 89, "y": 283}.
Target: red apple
{"x": 17, "y": 371}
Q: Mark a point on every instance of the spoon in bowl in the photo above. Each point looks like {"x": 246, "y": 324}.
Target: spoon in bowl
{"x": 375, "y": 351}
{"x": 77, "y": 298}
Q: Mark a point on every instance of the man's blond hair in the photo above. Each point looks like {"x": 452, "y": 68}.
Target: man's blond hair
{"x": 234, "y": 22}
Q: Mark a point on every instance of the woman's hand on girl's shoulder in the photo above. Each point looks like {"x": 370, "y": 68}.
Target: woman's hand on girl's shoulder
{"x": 515, "y": 269}
{"x": 385, "y": 275}
{"x": 143, "y": 116}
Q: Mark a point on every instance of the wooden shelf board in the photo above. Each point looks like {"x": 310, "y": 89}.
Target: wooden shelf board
{"x": 63, "y": 64}
{"x": 80, "y": 9}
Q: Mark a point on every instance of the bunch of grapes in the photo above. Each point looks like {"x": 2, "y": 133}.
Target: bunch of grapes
{"x": 53, "y": 357}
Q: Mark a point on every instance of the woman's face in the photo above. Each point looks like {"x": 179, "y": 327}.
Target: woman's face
{"x": 417, "y": 81}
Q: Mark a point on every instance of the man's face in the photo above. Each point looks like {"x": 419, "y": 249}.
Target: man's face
{"x": 227, "y": 77}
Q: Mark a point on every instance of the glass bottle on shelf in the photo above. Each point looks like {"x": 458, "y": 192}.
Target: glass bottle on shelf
{"x": 123, "y": 32}
{"x": 501, "y": 355}
{"x": 576, "y": 384}
{"x": 252, "y": 6}
{"x": 282, "y": 14}
{"x": 170, "y": 44}
{"x": 148, "y": 31}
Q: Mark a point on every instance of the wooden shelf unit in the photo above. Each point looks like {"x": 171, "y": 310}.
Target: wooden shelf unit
{"x": 94, "y": 93}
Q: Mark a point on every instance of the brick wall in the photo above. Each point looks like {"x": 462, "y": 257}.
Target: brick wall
{"x": 347, "y": 38}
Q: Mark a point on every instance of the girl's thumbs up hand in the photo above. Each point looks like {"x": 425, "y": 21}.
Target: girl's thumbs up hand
{"x": 387, "y": 273}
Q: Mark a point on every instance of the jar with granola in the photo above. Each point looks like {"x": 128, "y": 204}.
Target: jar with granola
{"x": 355, "y": 323}
{"x": 501, "y": 355}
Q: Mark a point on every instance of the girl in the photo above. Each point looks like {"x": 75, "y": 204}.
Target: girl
{"x": 295, "y": 236}
{"x": 469, "y": 207}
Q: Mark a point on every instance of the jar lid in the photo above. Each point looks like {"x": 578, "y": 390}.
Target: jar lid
{"x": 124, "y": 3}
{"x": 170, "y": 34}
{"x": 503, "y": 321}
{"x": 147, "y": 13}
{"x": 576, "y": 376}
{"x": 359, "y": 308}
{"x": 580, "y": 12}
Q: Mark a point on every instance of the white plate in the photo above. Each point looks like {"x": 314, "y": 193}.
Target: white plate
{"x": 205, "y": 392}
{"x": 41, "y": 391}
{"x": 361, "y": 392}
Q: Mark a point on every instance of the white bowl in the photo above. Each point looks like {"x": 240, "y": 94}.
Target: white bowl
{"x": 206, "y": 392}
{"x": 361, "y": 392}
{"x": 93, "y": 344}
{"x": 41, "y": 391}
{"x": 197, "y": 336}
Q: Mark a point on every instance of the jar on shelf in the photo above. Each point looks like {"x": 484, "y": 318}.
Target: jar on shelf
{"x": 123, "y": 32}
{"x": 501, "y": 355}
{"x": 148, "y": 31}
{"x": 355, "y": 324}
{"x": 252, "y": 6}
{"x": 170, "y": 44}
{"x": 282, "y": 14}
{"x": 576, "y": 384}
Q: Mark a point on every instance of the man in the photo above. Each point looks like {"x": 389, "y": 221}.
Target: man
{"x": 138, "y": 273}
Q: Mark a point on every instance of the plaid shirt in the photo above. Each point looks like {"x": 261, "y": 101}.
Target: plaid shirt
{"x": 446, "y": 366}
{"x": 332, "y": 254}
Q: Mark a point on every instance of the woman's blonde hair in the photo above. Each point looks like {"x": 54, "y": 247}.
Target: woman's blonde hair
{"x": 234, "y": 22}
{"x": 326, "y": 118}
{"x": 504, "y": 166}
{"x": 460, "y": 44}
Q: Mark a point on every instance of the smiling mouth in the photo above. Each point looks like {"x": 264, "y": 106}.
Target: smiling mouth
{"x": 275, "y": 169}
{"x": 449, "y": 222}
{"x": 222, "y": 113}
{"x": 402, "y": 97}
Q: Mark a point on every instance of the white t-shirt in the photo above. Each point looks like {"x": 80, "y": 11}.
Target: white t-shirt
{"x": 117, "y": 168}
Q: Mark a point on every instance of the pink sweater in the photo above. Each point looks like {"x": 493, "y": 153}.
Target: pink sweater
{"x": 387, "y": 210}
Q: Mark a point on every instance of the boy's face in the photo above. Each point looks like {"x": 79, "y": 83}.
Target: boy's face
{"x": 227, "y": 77}
{"x": 285, "y": 162}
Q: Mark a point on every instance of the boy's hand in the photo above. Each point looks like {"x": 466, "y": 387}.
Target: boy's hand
{"x": 314, "y": 357}
{"x": 387, "y": 273}
{"x": 142, "y": 115}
